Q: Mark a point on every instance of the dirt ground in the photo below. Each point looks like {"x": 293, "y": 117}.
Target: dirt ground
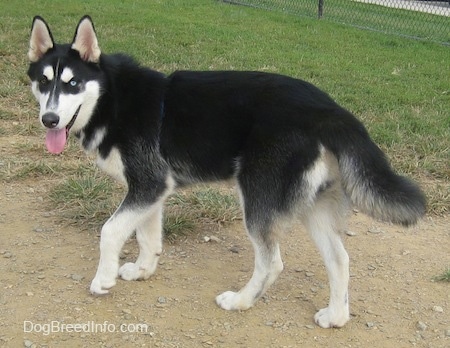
{"x": 46, "y": 268}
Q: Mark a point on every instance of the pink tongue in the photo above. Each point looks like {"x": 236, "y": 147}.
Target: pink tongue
{"x": 55, "y": 140}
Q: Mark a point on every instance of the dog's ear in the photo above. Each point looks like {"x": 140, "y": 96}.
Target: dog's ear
{"x": 41, "y": 39}
{"x": 85, "y": 41}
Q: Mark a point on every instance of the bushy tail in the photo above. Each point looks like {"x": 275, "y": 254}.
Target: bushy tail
{"x": 368, "y": 179}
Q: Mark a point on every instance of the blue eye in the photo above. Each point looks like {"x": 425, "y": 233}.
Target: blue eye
{"x": 73, "y": 83}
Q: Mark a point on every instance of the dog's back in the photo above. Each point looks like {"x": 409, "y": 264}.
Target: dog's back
{"x": 291, "y": 148}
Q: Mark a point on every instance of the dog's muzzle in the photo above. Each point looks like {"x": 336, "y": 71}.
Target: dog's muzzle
{"x": 50, "y": 120}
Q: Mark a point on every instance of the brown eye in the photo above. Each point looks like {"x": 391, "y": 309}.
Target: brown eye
{"x": 43, "y": 80}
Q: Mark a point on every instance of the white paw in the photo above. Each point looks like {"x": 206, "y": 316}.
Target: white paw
{"x": 100, "y": 287}
{"x": 232, "y": 301}
{"x": 327, "y": 318}
{"x": 132, "y": 271}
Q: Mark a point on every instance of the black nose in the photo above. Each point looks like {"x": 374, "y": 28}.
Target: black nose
{"x": 50, "y": 120}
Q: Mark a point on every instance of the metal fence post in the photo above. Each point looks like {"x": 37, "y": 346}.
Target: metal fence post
{"x": 426, "y": 20}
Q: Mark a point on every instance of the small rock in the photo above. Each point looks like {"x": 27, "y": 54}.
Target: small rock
{"x": 309, "y": 274}
{"x": 161, "y": 299}
{"x": 206, "y": 239}
{"x": 77, "y": 277}
{"x": 29, "y": 293}
{"x": 421, "y": 326}
{"x": 41, "y": 276}
{"x": 28, "y": 343}
{"x": 370, "y": 325}
{"x": 310, "y": 327}
{"x": 7, "y": 255}
{"x": 375, "y": 230}
{"x": 350, "y": 233}
{"x": 234, "y": 249}
{"x": 438, "y": 309}
{"x": 214, "y": 239}
{"x": 126, "y": 311}
{"x": 447, "y": 333}
{"x": 38, "y": 229}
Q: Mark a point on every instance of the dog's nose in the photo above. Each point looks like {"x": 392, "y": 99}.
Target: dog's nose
{"x": 50, "y": 120}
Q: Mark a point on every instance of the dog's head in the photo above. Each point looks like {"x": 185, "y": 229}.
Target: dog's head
{"x": 65, "y": 79}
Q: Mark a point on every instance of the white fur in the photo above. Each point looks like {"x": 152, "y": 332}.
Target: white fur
{"x": 88, "y": 101}
{"x": 48, "y": 72}
{"x": 93, "y": 144}
{"x": 67, "y": 75}
{"x": 268, "y": 265}
{"x": 323, "y": 222}
{"x": 113, "y": 165}
{"x": 149, "y": 237}
{"x": 67, "y": 104}
{"x": 147, "y": 222}
{"x": 316, "y": 176}
{"x": 114, "y": 233}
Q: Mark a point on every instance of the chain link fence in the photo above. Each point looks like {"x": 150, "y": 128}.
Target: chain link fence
{"x": 423, "y": 19}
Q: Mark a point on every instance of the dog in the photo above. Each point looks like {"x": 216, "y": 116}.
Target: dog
{"x": 291, "y": 149}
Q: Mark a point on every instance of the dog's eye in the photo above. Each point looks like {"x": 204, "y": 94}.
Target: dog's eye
{"x": 43, "y": 80}
{"x": 73, "y": 83}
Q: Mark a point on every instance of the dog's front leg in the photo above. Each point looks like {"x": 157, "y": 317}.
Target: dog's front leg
{"x": 114, "y": 234}
{"x": 149, "y": 237}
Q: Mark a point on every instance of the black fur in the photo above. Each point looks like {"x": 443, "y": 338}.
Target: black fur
{"x": 291, "y": 148}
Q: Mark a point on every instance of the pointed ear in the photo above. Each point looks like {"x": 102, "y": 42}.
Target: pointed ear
{"x": 85, "y": 41}
{"x": 41, "y": 39}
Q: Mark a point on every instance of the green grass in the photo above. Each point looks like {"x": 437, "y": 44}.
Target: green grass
{"x": 398, "y": 87}
{"x": 88, "y": 201}
{"x": 375, "y": 17}
{"x": 208, "y": 204}
{"x": 444, "y": 277}
{"x": 189, "y": 210}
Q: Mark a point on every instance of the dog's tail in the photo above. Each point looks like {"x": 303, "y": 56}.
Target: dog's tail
{"x": 367, "y": 177}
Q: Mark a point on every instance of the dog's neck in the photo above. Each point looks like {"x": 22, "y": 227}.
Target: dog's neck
{"x": 91, "y": 142}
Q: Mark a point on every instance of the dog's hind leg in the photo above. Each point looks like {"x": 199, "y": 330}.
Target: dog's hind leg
{"x": 149, "y": 237}
{"x": 323, "y": 221}
{"x": 268, "y": 263}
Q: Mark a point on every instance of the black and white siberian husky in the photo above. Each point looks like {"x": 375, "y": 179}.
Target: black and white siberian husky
{"x": 291, "y": 149}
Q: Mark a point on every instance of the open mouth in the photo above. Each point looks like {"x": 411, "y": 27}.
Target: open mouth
{"x": 72, "y": 121}
{"x": 56, "y": 139}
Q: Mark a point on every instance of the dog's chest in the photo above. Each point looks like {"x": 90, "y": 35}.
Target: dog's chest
{"x": 113, "y": 165}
